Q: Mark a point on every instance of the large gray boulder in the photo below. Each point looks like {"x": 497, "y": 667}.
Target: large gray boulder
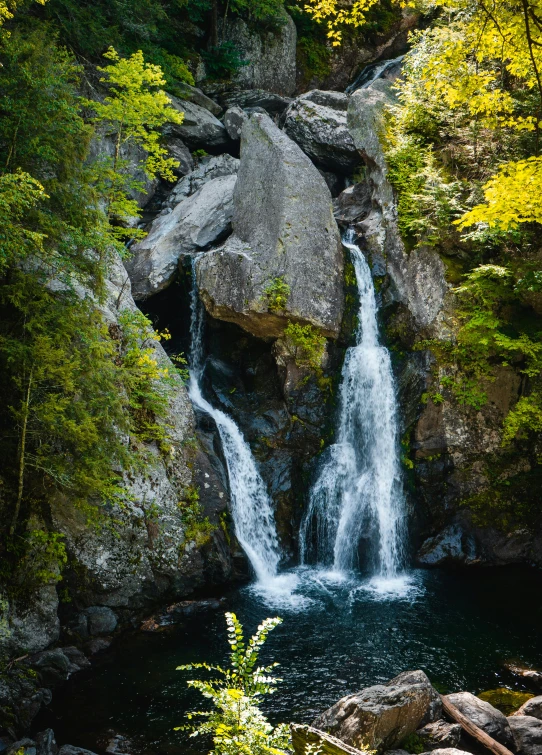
{"x": 485, "y": 716}
{"x": 200, "y": 129}
{"x": 207, "y": 169}
{"x": 439, "y": 734}
{"x": 527, "y": 731}
{"x": 446, "y": 751}
{"x": 270, "y": 57}
{"x": 317, "y": 122}
{"x": 197, "y": 97}
{"x": 253, "y": 98}
{"x": 195, "y": 223}
{"x": 532, "y": 707}
{"x": 380, "y": 717}
{"x": 283, "y": 229}
{"x": 419, "y": 277}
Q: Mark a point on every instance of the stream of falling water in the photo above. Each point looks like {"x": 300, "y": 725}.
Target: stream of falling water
{"x": 251, "y": 507}
{"x": 357, "y": 497}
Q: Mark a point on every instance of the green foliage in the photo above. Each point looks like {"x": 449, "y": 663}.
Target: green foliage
{"x": 197, "y": 527}
{"x": 132, "y": 113}
{"x": 306, "y": 344}
{"x": 222, "y": 61}
{"x": 277, "y": 293}
{"x": 427, "y": 202}
{"x": 235, "y": 722}
{"x": 414, "y": 744}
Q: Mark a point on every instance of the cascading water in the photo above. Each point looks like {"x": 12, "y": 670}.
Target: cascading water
{"x": 358, "y": 492}
{"x": 250, "y": 504}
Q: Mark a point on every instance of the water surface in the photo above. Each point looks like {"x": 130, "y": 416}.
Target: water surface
{"x": 337, "y": 637}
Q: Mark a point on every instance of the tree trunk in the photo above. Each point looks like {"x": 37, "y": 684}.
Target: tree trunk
{"x": 214, "y": 24}
{"x": 491, "y": 744}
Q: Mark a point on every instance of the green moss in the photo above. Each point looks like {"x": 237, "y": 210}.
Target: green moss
{"x": 413, "y": 743}
{"x": 197, "y": 527}
{"x": 508, "y": 701}
{"x": 307, "y": 345}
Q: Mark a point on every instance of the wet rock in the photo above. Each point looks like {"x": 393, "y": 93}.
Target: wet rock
{"x": 270, "y": 56}
{"x": 484, "y": 715}
{"x": 119, "y": 745}
{"x": 532, "y": 676}
{"x": 179, "y": 611}
{"x": 353, "y": 204}
{"x": 46, "y": 743}
{"x": 450, "y": 545}
{"x": 197, "y": 97}
{"x": 71, "y": 750}
{"x": 233, "y": 121}
{"x": 26, "y": 746}
{"x": 379, "y": 717}
{"x": 335, "y": 182}
{"x": 256, "y": 98}
{"x": 52, "y": 666}
{"x": 98, "y": 644}
{"x": 208, "y": 168}
{"x": 283, "y": 229}
{"x": 532, "y": 707}
{"x": 527, "y": 731}
{"x": 439, "y": 734}
{"x": 5, "y": 744}
{"x": 317, "y": 122}
{"x": 101, "y": 620}
{"x": 195, "y": 223}
{"x": 178, "y": 150}
{"x": 200, "y": 129}
{"x": 78, "y": 660}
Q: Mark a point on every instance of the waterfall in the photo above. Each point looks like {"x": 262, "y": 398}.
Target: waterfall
{"x": 358, "y": 491}
{"x": 251, "y": 507}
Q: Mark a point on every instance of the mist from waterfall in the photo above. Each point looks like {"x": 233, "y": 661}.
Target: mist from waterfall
{"x": 357, "y": 500}
{"x": 251, "y": 507}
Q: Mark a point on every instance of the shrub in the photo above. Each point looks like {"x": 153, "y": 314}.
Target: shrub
{"x": 306, "y": 344}
{"x": 277, "y": 293}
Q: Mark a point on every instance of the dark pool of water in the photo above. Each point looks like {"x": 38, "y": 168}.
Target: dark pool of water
{"x": 458, "y": 627}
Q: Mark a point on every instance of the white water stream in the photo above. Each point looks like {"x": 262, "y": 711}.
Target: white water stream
{"x": 358, "y": 493}
{"x": 251, "y": 506}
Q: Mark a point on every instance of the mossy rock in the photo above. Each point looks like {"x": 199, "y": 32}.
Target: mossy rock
{"x": 508, "y": 701}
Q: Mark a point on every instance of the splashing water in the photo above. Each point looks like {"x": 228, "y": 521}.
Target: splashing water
{"x": 251, "y": 508}
{"x": 358, "y": 493}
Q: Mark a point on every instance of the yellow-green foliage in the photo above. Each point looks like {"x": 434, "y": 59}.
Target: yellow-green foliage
{"x": 306, "y": 344}
{"x": 277, "y": 293}
{"x": 133, "y": 112}
{"x": 235, "y": 721}
{"x": 197, "y": 527}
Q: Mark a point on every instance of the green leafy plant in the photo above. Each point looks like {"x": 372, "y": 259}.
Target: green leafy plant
{"x": 276, "y": 293}
{"x": 133, "y": 113}
{"x": 197, "y": 527}
{"x": 236, "y": 723}
{"x": 222, "y": 61}
{"x": 306, "y": 344}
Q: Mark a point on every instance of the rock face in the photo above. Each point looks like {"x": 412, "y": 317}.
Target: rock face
{"x": 439, "y": 734}
{"x": 380, "y": 717}
{"x": 527, "y": 732}
{"x": 200, "y": 129}
{"x": 485, "y": 716}
{"x": 194, "y": 224}
{"x": 270, "y": 56}
{"x": 283, "y": 229}
{"x": 142, "y": 554}
{"x": 419, "y": 277}
{"x": 317, "y": 122}
{"x": 249, "y": 99}
{"x": 532, "y": 707}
